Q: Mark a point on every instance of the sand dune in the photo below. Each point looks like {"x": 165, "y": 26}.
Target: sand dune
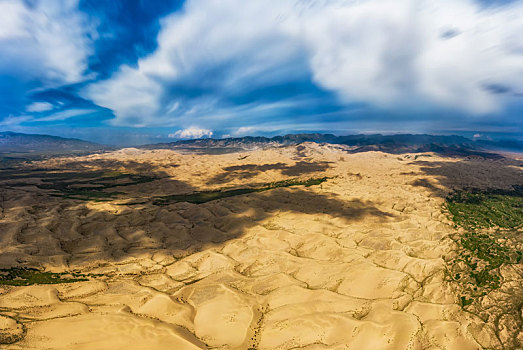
{"x": 357, "y": 262}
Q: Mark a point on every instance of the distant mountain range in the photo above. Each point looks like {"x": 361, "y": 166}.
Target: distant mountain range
{"x": 11, "y": 142}
{"x": 449, "y": 145}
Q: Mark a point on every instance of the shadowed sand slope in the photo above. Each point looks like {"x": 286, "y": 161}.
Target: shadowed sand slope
{"x": 356, "y": 262}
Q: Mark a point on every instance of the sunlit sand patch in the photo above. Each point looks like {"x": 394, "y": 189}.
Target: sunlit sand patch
{"x": 358, "y": 260}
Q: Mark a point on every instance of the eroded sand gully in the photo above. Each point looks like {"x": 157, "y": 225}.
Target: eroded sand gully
{"x": 354, "y": 263}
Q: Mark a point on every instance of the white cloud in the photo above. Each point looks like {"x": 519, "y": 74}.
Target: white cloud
{"x": 46, "y": 40}
{"x": 192, "y": 132}
{"x": 130, "y": 93}
{"x": 241, "y": 45}
{"x": 244, "y": 130}
{"x": 39, "y": 107}
{"x": 63, "y": 115}
{"x": 12, "y": 20}
{"x": 14, "y": 121}
{"x": 394, "y": 53}
{"x": 391, "y": 54}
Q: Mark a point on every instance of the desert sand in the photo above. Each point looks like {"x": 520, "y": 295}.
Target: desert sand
{"x": 356, "y": 262}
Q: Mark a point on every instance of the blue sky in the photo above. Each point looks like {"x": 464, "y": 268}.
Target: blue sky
{"x": 137, "y": 71}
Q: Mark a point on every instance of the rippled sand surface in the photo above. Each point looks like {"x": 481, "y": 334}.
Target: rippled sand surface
{"x": 357, "y": 262}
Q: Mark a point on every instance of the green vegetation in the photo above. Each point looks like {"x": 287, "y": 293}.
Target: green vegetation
{"x": 492, "y": 240}
{"x": 94, "y": 188}
{"x": 207, "y": 196}
{"x": 484, "y": 209}
{"x": 490, "y": 219}
{"x": 465, "y": 301}
{"x": 484, "y": 255}
{"x": 23, "y": 276}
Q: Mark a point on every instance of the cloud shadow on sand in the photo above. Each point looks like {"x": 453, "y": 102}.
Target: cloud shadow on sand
{"x": 249, "y": 171}
{"x": 72, "y": 233}
{"x": 469, "y": 173}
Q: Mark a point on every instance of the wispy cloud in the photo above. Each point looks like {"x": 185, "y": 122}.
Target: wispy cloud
{"x": 64, "y": 115}
{"x": 390, "y": 54}
{"x": 49, "y": 40}
{"x": 241, "y": 67}
{"x": 14, "y": 121}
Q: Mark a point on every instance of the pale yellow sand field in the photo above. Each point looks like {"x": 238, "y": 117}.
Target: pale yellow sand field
{"x": 354, "y": 263}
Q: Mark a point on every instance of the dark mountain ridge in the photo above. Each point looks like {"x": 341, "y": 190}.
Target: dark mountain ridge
{"x": 399, "y": 143}
{"x": 18, "y": 143}
{"x": 12, "y": 142}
